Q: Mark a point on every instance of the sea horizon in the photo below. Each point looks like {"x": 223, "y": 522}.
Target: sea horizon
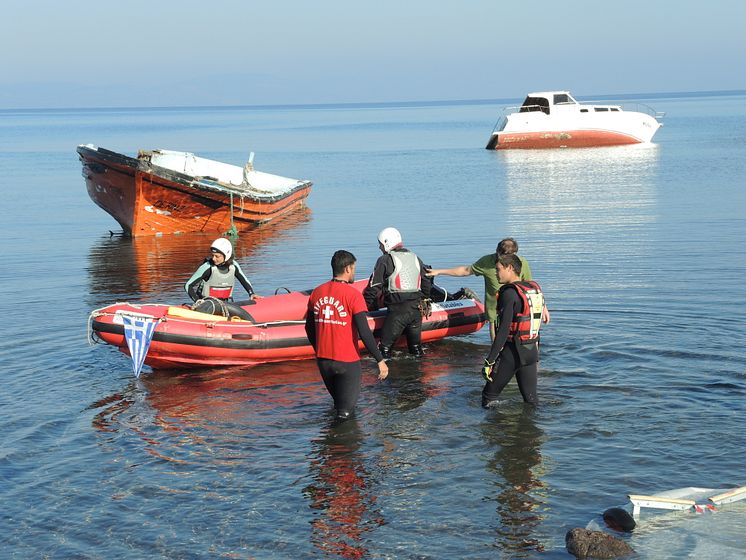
{"x": 381, "y": 104}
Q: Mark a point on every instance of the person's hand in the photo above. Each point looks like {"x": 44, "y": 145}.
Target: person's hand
{"x": 383, "y": 370}
{"x": 426, "y": 307}
{"x": 256, "y": 297}
{"x": 487, "y": 370}
{"x": 431, "y": 272}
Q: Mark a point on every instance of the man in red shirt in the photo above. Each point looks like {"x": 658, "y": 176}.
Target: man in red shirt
{"x": 337, "y": 315}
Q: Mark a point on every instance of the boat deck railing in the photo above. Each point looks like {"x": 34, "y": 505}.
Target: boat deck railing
{"x": 629, "y": 106}
{"x": 507, "y": 111}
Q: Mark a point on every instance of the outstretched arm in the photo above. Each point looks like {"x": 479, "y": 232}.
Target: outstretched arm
{"x": 456, "y": 271}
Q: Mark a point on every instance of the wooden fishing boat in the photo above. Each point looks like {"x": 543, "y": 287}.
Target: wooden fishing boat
{"x": 553, "y": 119}
{"x": 165, "y": 191}
{"x": 185, "y": 338}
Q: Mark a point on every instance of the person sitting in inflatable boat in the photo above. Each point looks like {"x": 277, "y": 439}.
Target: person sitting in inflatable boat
{"x": 211, "y": 286}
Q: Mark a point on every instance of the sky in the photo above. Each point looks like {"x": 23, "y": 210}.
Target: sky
{"x": 73, "y": 53}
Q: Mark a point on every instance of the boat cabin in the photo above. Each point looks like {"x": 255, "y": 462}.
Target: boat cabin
{"x": 543, "y": 101}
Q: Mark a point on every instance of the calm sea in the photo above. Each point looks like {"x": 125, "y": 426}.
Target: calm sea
{"x": 640, "y": 251}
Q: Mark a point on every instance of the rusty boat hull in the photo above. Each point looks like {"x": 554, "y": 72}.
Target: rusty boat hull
{"x": 185, "y": 193}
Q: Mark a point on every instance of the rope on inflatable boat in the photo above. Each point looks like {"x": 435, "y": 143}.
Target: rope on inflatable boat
{"x": 90, "y": 333}
{"x": 92, "y": 340}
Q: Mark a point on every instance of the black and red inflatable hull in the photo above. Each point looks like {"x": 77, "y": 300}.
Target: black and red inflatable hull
{"x": 183, "y": 338}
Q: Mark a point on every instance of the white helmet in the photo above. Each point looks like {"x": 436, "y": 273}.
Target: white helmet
{"x": 389, "y": 238}
{"x": 224, "y": 246}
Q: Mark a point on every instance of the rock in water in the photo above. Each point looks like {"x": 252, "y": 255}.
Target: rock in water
{"x": 619, "y": 519}
{"x": 583, "y": 543}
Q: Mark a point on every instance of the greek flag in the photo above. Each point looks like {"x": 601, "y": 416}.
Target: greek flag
{"x": 138, "y": 332}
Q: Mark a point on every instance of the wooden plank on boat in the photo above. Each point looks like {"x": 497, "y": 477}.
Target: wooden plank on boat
{"x": 185, "y": 313}
{"x": 733, "y": 495}
{"x": 658, "y": 502}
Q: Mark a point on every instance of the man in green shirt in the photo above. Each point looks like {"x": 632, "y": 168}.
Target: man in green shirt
{"x": 485, "y": 267}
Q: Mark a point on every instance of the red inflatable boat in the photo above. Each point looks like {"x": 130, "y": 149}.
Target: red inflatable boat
{"x": 186, "y": 338}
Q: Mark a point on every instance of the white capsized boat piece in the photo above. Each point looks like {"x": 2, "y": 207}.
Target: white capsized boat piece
{"x": 730, "y": 496}
{"x": 686, "y": 499}
{"x": 640, "y": 501}
{"x": 662, "y": 533}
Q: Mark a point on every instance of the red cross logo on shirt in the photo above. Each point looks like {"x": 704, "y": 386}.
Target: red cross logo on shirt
{"x": 328, "y": 312}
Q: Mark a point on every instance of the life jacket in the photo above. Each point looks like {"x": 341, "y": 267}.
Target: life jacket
{"x": 221, "y": 282}
{"x": 525, "y": 326}
{"x": 406, "y": 276}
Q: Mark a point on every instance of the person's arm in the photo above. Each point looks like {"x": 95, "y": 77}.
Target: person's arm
{"x": 374, "y": 289}
{"x": 193, "y": 285}
{"x": 426, "y": 283}
{"x": 365, "y": 334}
{"x": 311, "y": 327}
{"x": 455, "y": 271}
{"x": 506, "y": 314}
{"x": 363, "y": 330}
{"x": 241, "y": 277}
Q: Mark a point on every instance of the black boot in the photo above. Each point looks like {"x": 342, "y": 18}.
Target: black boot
{"x": 343, "y": 415}
{"x": 489, "y": 403}
{"x": 385, "y": 351}
{"x": 416, "y": 350}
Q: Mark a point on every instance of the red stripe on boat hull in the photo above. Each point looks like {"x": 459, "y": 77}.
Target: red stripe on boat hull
{"x": 564, "y": 139}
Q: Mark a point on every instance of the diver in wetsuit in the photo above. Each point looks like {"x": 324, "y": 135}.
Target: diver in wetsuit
{"x": 336, "y": 316}
{"x": 211, "y": 286}
{"x": 515, "y": 350}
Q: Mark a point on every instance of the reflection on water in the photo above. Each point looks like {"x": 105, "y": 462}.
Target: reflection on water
{"x": 341, "y": 497}
{"x": 176, "y": 414}
{"x": 413, "y": 381}
{"x": 244, "y": 464}
{"x": 580, "y": 191}
{"x": 151, "y": 267}
{"x": 517, "y": 464}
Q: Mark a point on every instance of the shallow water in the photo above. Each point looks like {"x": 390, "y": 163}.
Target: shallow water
{"x": 639, "y": 250}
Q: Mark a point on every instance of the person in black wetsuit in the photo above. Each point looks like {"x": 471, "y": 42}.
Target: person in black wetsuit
{"x": 336, "y": 317}
{"x": 211, "y": 286}
{"x": 399, "y": 282}
{"x": 515, "y": 350}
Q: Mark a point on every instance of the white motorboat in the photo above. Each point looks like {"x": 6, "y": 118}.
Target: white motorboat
{"x": 554, "y": 119}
